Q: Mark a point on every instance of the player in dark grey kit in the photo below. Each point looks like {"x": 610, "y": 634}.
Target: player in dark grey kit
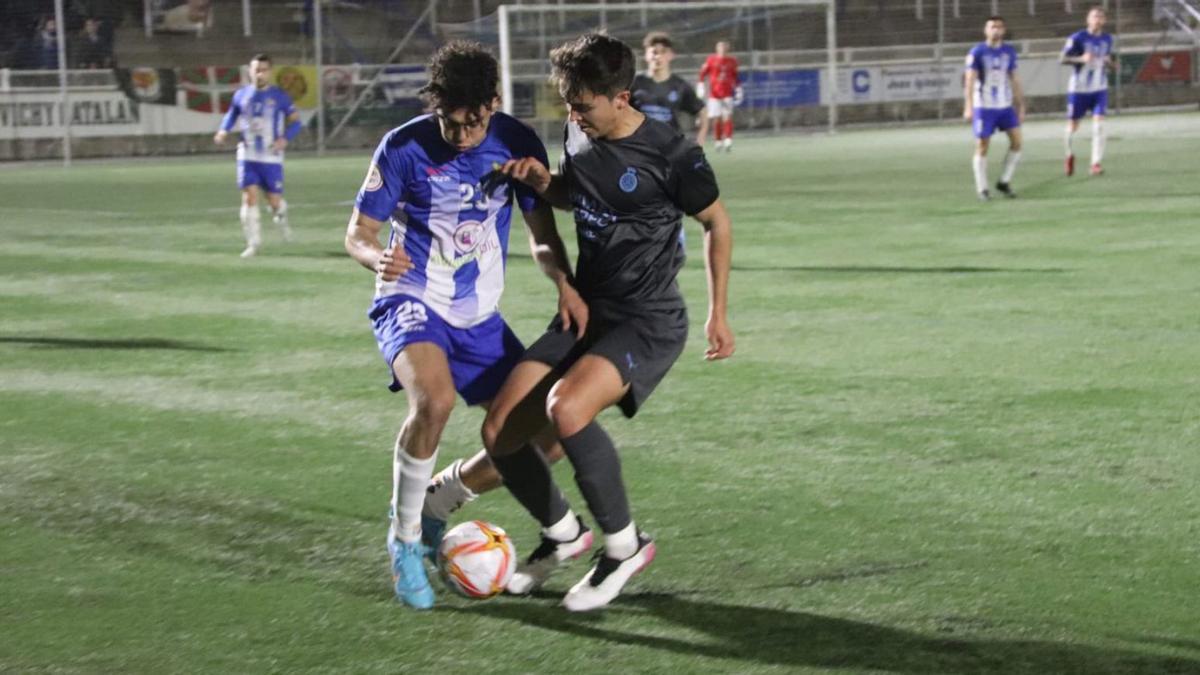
{"x": 629, "y": 180}
{"x": 662, "y": 95}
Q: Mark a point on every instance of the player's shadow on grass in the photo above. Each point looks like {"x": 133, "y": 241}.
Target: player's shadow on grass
{"x": 778, "y": 637}
{"x": 90, "y": 343}
{"x": 880, "y": 269}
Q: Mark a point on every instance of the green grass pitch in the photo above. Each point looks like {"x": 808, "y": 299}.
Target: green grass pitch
{"x": 956, "y": 437}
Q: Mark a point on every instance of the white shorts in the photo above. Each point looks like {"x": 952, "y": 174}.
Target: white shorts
{"x": 720, "y": 107}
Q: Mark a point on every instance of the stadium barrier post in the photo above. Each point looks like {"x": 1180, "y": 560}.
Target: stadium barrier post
{"x": 317, "y": 30}
{"x": 63, "y": 110}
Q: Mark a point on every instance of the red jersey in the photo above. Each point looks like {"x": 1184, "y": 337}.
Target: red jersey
{"x": 720, "y": 74}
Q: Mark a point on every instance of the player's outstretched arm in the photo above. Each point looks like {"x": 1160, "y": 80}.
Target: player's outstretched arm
{"x": 1018, "y": 95}
{"x": 718, "y": 253}
{"x": 293, "y": 127}
{"x": 531, "y": 171}
{"x": 968, "y": 88}
{"x": 550, "y": 253}
{"x": 1070, "y": 57}
{"x": 227, "y": 122}
{"x": 362, "y": 243}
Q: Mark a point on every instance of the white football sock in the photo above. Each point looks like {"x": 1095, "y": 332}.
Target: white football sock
{"x": 1067, "y": 138}
{"x": 410, "y": 479}
{"x": 281, "y": 219}
{"x": 620, "y": 545}
{"x": 447, "y": 493}
{"x": 251, "y": 227}
{"x": 1097, "y": 141}
{"x": 1010, "y": 165}
{"x": 979, "y": 164}
{"x": 565, "y": 529}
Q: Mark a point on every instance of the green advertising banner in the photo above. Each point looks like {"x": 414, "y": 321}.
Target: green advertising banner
{"x": 1131, "y": 65}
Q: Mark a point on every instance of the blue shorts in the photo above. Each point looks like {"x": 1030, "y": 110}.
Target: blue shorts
{"x": 988, "y": 120}
{"x": 265, "y": 175}
{"x": 480, "y": 356}
{"x": 1079, "y": 105}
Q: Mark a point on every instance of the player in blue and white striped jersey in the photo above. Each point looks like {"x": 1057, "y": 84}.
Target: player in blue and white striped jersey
{"x": 268, "y": 121}
{"x": 1090, "y": 54}
{"x": 439, "y": 279}
{"x": 994, "y": 100}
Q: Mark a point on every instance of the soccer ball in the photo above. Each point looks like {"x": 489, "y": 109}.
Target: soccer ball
{"x": 476, "y": 559}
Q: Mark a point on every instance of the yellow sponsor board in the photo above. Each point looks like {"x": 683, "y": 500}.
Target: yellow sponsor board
{"x": 549, "y": 102}
{"x": 300, "y": 82}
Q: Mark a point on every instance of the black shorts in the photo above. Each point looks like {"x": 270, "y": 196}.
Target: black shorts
{"x": 643, "y": 348}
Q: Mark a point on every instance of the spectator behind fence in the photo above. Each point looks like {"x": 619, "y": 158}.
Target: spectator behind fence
{"x": 42, "y": 52}
{"x": 192, "y": 16}
{"x": 91, "y": 49}
{"x": 110, "y": 14}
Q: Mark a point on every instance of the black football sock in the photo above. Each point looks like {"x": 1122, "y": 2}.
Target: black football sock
{"x": 527, "y": 476}
{"x": 598, "y": 475}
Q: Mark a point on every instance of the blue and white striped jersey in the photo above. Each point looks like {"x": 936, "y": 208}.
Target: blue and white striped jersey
{"x": 451, "y": 210}
{"x": 1090, "y": 77}
{"x": 992, "y": 66}
{"x": 260, "y": 114}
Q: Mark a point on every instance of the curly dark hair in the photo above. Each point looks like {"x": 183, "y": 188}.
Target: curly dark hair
{"x": 593, "y": 62}
{"x": 462, "y": 74}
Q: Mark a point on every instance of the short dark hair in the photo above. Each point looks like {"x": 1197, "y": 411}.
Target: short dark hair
{"x": 657, "y": 38}
{"x": 261, "y": 57}
{"x": 1098, "y": 8}
{"x": 594, "y": 62}
{"x": 462, "y": 74}
{"x": 995, "y": 17}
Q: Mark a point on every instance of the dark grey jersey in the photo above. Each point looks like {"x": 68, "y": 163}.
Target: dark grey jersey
{"x": 629, "y": 197}
{"x": 664, "y": 100}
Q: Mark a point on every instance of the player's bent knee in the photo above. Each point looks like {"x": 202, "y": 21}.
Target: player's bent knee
{"x": 565, "y": 412}
{"x": 553, "y": 451}
{"x": 491, "y": 432}
{"x": 432, "y": 410}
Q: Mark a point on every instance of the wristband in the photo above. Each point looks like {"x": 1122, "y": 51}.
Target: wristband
{"x": 293, "y": 130}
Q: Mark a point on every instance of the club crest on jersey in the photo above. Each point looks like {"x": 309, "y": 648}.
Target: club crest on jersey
{"x": 468, "y": 235}
{"x": 374, "y": 179}
{"x": 629, "y": 180}
{"x": 673, "y": 96}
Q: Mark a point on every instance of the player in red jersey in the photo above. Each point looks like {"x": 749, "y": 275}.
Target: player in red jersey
{"x": 719, "y": 80}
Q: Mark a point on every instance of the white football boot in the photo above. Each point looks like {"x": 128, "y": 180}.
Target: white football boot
{"x": 546, "y": 558}
{"x": 608, "y": 577}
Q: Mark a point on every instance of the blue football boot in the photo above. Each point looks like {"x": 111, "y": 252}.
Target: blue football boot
{"x": 410, "y": 582}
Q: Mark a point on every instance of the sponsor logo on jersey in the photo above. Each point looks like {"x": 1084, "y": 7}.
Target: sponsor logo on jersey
{"x": 590, "y": 217}
{"x": 629, "y": 180}
{"x": 468, "y": 235}
{"x": 436, "y": 174}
